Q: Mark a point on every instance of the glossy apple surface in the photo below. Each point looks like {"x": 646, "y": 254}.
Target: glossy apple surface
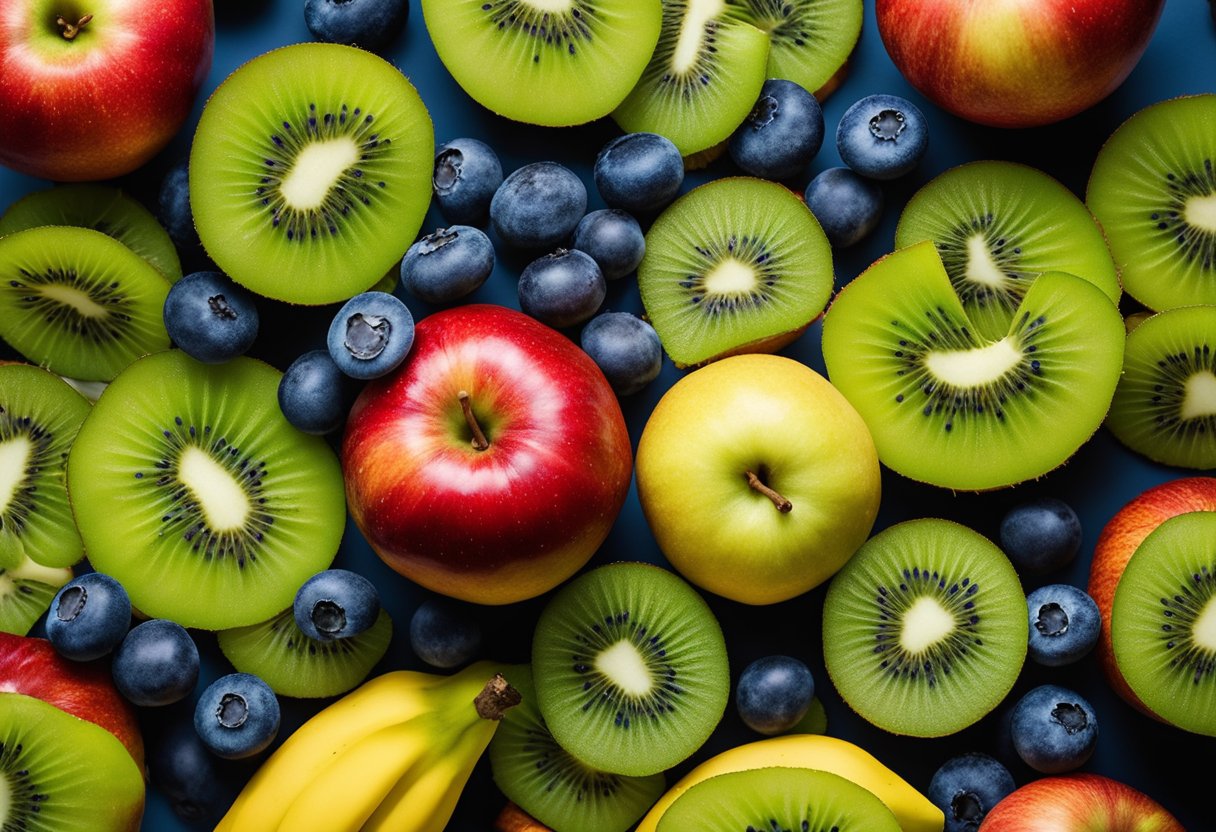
{"x": 1079, "y": 803}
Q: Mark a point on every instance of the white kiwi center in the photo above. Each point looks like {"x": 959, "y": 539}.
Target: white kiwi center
{"x": 6, "y": 800}
{"x": 14, "y": 460}
{"x": 1201, "y": 212}
{"x": 624, "y": 665}
{"x": 28, "y": 570}
{"x": 692, "y": 33}
{"x": 222, "y": 500}
{"x": 730, "y": 277}
{"x": 317, "y": 169}
{"x": 1200, "y": 399}
{"x": 74, "y": 298}
{"x": 981, "y": 268}
{"x": 1203, "y": 632}
{"x": 974, "y": 368}
{"x": 552, "y": 6}
{"x": 924, "y": 624}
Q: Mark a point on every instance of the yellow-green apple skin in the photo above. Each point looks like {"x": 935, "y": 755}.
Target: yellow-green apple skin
{"x": 790, "y": 427}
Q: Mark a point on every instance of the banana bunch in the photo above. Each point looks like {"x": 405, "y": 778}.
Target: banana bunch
{"x": 392, "y": 755}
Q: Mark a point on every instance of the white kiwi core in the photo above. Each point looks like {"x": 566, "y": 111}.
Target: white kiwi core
{"x": 316, "y": 170}
{"x": 974, "y": 368}
{"x": 1203, "y": 632}
{"x": 6, "y": 800}
{"x": 1201, "y": 212}
{"x": 731, "y": 277}
{"x": 222, "y": 500}
{"x": 924, "y": 624}
{"x": 551, "y": 6}
{"x": 14, "y": 460}
{"x": 692, "y": 33}
{"x": 74, "y": 298}
{"x": 1200, "y": 399}
{"x": 28, "y": 570}
{"x": 624, "y": 665}
{"x": 981, "y": 268}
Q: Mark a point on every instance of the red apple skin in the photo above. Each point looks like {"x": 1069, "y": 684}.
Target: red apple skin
{"x": 106, "y": 102}
{"x": 1079, "y": 803}
{"x": 1118, "y": 542}
{"x": 512, "y": 521}
{"x": 1016, "y": 64}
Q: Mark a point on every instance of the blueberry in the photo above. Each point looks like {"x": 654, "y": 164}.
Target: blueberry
{"x": 370, "y": 24}
{"x": 613, "y": 239}
{"x": 1041, "y": 536}
{"x": 336, "y": 604}
{"x": 211, "y": 318}
{"x": 467, "y": 173}
{"x": 538, "y": 206}
{"x": 447, "y": 265}
{"x": 237, "y": 716}
{"x": 1064, "y": 624}
{"x": 371, "y": 334}
{"x": 88, "y": 617}
{"x": 182, "y": 769}
{"x": 774, "y": 693}
{"x": 847, "y": 206}
{"x": 626, "y": 349}
{"x": 443, "y": 634}
{"x": 156, "y": 664}
{"x": 311, "y": 393}
{"x": 966, "y": 788}
{"x": 781, "y": 135}
{"x": 174, "y": 202}
{"x": 639, "y": 172}
{"x": 1054, "y": 729}
{"x": 882, "y": 136}
{"x": 562, "y": 289}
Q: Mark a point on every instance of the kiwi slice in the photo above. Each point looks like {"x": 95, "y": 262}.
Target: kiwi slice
{"x": 552, "y": 786}
{"x": 630, "y": 669}
{"x": 310, "y": 172}
{"x": 1165, "y": 404}
{"x": 1153, "y": 188}
{"x": 951, "y": 408}
{"x": 59, "y": 773}
{"x": 778, "y": 800}
{"x": 925, "y": 628}
{"x": 101, "y": 208}
{"x": 738, "y": 265}
{"x": 26, "y": 591}
{"x": 811, "y": 39}
{"x": 998, "y": 226}
{"x": 295, "y": 665}
{"x": 703, "y": 78}
{"x": 79, "y": 302}
{"x": 192, "y": 490}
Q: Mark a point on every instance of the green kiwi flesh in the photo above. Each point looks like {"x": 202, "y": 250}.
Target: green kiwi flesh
{"x": 1153, "y": 188}
{"x": 738, "y": 265}
{"x": 950, "y": 408}
{"x": 811, "y": 39}
{"x": 26, "y": 591}
{"x": 295, "y": 665}
{"x": 778, "y": 800}
{"x": 998, "y": 226}
{"x": 551, "y": 62}
{"x": 1163, "y": 622}
{"x": 193, "y": 491}
{"x": 1165, "y": 404}
{"x": 630, "y": 669}
{"x": 310, "y": 172}
{"x": 544, "y": 780}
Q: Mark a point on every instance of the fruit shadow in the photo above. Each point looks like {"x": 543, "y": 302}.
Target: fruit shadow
{"x": 231, "y": 13}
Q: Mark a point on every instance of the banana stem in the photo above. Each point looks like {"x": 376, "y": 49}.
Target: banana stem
{"x": 783, "y": 505}
{"x": 514, "y": 819}
{"x": 496, "y": 698}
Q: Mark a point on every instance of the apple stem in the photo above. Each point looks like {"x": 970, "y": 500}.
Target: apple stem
{"x": 479, "y": 439}
{"x": 783, "y": 505}
{"x": 71, "y": 30}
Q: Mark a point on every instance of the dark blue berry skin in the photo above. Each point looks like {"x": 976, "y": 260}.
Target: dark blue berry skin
{"x": 336, "y": 604}
{"x": 847, "y": 206}
{"x": 174, "y": 204}
{"x": 613, "y": 239}
{"x": 774, "y": 693}
{"x": 1054, "y": 729}
{"x": 966, "y": 788}
{"x": 639, "y": 172}
{"x": 1064, "y": 625}
{"x": 448, "y": 264}
{"x": 467, "y": 173}
{"x": 562, "y": 289}
{"x": 156, "y": 664}
{"x": 371, "y": 24}
{"x": 88, "y": 617}
{"x": 882, "y": 136}
{"x": 311, "y": 393}
{"x": 1041, "y": 536}
{"x": 443, "y": 635}
{"x": 211, "y": 318}
{"x": 625, "y": 348}
{"x": 182, "y": 768}
{"x": 538, "y": 206}
{"x": 237, "y": 716}
{"x": 371, "y": 334}
{"x": 781, "y": 135}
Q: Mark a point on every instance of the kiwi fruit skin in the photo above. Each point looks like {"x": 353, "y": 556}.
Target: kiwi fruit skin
{"x": 26, "y": 592}
{"x": 811, "y": 40}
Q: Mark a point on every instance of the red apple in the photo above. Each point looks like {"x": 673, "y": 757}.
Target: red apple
{"x": 1079, "y": 803}
{"x": 94, "y": 88}
{"x": 502, "y": 520}
{"x": 1016, "y": 64}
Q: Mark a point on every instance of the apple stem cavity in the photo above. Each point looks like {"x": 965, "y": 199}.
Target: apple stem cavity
{"x": 496, "y": 698}
{"x": 71, "y": 30}
{"x": 479, "y": 439}
{"x": 783, "y": 505}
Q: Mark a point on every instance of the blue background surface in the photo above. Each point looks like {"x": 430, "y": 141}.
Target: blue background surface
{"x": 1097, "y": 482}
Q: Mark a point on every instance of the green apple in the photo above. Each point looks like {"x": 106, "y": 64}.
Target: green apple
{"x": 758, "y": 479}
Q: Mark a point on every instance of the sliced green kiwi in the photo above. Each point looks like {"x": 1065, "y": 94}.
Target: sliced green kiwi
{"x": 552, "y": 62}
{"x": 811, "y": 39}
{"x": 192, "y": 490}
{"x": 1153, "y": 188}
{"x": 544, "y": 780}
{"x": 703, "y": 78}
{"x": 1165, "y": 404}
{"x": 998, "y": 226}
{"x": 101, "y": 208}
{"x": 59, "y": 773}
{"x": 630, "y": 669}
{"x": 79, "y": 302}
{"x": 1163, "y": 622}
{"x": 26, "y": 591}
{"x": 948, "y": 407}
{"x": 293, "y": 664}
{"x": 925, "y": 628}
{"x": 738, "y": 265}
{"x": 310, "y": 172}
{"x": 778, "y": 800}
